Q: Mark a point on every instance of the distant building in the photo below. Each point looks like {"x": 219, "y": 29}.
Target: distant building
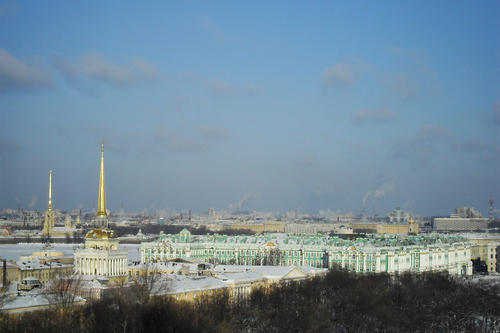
{"x": 398, "y": 216}
{"x": 385, "y": 228}
{"x": 314, "y": 228}
{"x": 464, "y": 219}
{"x": 49, "y": 228}
{"x": 49, "y": 223}
{"x": 270, "y": 226}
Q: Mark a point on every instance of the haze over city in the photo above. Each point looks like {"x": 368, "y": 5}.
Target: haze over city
{"x": 271, "y": 106}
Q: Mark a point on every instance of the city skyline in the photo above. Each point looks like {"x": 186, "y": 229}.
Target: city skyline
{"x": 321, "y": 107}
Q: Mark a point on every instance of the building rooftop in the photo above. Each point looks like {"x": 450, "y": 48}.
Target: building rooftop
{"x": 318, "y": 240}
{"x": 38, "y": 264}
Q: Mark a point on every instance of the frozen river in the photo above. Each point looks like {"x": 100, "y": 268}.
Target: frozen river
{"x": 14, "y": 251}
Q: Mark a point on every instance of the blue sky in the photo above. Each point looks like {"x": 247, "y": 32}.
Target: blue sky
{"x": 283, "y": 105}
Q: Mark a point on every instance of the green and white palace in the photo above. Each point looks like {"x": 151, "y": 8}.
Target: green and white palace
{"x": 377, "y": 253}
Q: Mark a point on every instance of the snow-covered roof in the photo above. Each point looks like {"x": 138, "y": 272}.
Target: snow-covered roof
{"x": 316, "y": 242}
{"x": 313, "y": 270}
{"x": 240, "y": 277}
{"x": 166, "y": 266}
{"x": 64, "y": 229}
{"x": 270, "y": 272}
{"x": 37, "y": 264}
{"x": 28, "y": 301}
{"x": 177, "y": 284}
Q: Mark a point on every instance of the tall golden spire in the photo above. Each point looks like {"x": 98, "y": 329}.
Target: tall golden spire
{"x": 101, "y": 205}
{"x": 49, "y": 208}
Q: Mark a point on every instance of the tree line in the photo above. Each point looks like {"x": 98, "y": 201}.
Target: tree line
{"x": 341, "y": 301}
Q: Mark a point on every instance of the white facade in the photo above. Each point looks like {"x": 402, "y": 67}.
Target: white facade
{"x": 389, "y": 254}
{"x": 101, "y": 256}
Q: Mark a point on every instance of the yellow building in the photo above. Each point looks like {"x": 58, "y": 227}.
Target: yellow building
{"x": 487, "y": 251}
{"x": 11, "y": 272}
{"x": 238, "y": 281}
{"x": 384, "y": 228}
{"x": 44, "y": 265}
{"x": 42, "y": 270}
{"x": 271, "y": 226}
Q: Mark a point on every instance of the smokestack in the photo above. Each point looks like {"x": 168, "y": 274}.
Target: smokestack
{"x": 190, "y": 215}
{"x": 491, "y": 203}
{"x": 4, "y": 271}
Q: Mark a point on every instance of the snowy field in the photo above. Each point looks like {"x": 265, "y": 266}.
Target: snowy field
{"x": 14, "y": 251}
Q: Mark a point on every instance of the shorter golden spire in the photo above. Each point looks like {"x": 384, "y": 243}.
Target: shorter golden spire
{"x": 49, "y": 208}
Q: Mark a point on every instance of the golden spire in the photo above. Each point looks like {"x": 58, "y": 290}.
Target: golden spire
{"x": 49, "y": 208}
{"x": 101, "y": 205}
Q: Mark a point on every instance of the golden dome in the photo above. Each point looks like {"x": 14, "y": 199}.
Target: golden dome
{"x": 100, "y": 234}
{"x": 270, "y": 244}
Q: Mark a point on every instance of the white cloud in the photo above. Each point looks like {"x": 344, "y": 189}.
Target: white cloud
{"x": 496, "y": 113}
{"x": 17, "y": 76}
{"x": 339, "y": 74}
{"x": 94, "y": 66}
{"x": 433, "y": 132}
{"x": 213, "y": 132}
{"x": 177, "y": 141}
{"x": 373, "y": 116}
{"x": 221, "y": 87}
{"x": 210, "y": 27}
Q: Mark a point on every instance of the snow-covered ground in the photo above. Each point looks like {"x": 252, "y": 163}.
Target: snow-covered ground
{"x": 491, "y": 279}
{"x": 14, "y": 251}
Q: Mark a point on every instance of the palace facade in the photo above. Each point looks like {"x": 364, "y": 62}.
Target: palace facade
{"x": 374, "y": 253}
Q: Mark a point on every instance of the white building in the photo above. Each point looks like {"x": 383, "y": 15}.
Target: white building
{"x": 101, "y": 255}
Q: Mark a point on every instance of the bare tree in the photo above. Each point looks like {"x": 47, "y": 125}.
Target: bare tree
{"x": 147, "y": 283}
{"x": 62, "y": 291}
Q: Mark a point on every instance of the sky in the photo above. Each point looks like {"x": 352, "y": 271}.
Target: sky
{"x": 256, "y": 105}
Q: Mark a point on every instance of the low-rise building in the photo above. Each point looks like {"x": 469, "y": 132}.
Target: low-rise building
{"x": 385, "y": 228}
{"x": 314, "y": 228}
{"x": 270, "y": 226}
{"x": 42, "y": 269}
{"x": 237, "y": 281}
